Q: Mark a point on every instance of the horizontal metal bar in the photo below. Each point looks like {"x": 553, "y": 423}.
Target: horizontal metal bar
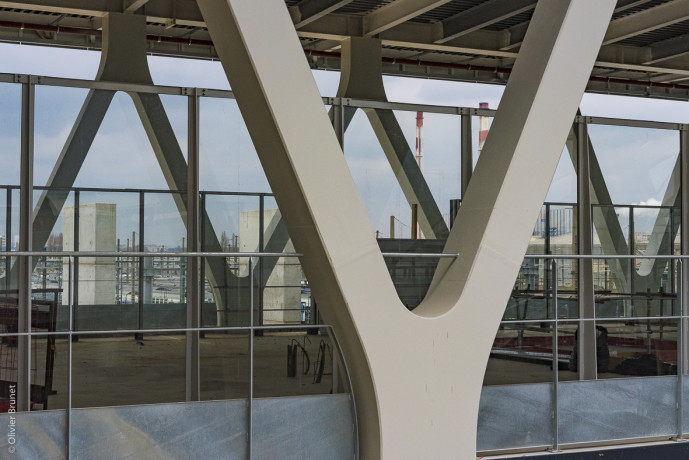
{"x": 298, "y": 327}
{"x": 146, "y": 254}
{"x": 635, "y": 206}
{"x": 421, "y": 255}
{"x": 579, "y": 320}
{"x": 629, "y": 123}
{"x": 402, "y": 106}
{"x": 196, "y": 254}
{"x": 603, "y": 256}
{"x": 279, "y": 327}
{"x": 135, "y": 190}
{"x": 360, "y": 103}
{"x": 259, "y": 194}
{"x": 116, "y": 86}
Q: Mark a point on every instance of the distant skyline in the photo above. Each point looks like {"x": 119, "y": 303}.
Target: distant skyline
{"x": 637, "y": 163}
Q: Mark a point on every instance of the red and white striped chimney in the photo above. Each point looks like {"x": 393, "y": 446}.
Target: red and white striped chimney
{"x": 483, "y": 126}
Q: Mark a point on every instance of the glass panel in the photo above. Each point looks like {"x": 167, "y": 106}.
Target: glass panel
{"x": 295, "y": 363}
{"x": 164, "y": 280}
{"x": 639, "y": 347}
{"x": 59, "y": 208}
{"x": 537, "y": 245}
{"x": 10, "y": 129}
{"x": 529, "y": 299}
{"x": 563, "y": 187}
{"x": 567, "y": 343}
{"x": 48, "y": 365}
{"x": 377, "y": 185}
{"x": 56, "y": 110}
{"x": 612, "y": 277}
{"x": 112, "y": 370}
{"x": 108, "y": 221}
{"x": 285, "y": 297}
{"x": 440, "y": 157}
{"x": 5, "y": 238}
{"x": 224, "y": 365}
{"x": 228, "y": 160}
{"x": 15, "y": 219}
{"x": 636, "y": 162}
{"x": 176, "y": 109}
{"x": 521, "y": 353}
{"x": 49, "y": 372}
{"x": 234, "y": 224}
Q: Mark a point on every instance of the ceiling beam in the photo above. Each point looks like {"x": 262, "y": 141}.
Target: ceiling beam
{"x": 479, "y": 17}
{"x": 135, "y": 5}
{"x": 515, "y": 34}
{"x": 308, "y": 11}
{"x": 182, "y": 12}
{"x": 396, "y": 12}
{"x": 624, "y": 5}
{"x": 668, "y": 49}
{"x": 647, "y": 20}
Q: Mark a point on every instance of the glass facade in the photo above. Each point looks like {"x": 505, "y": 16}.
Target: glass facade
{"x": 115, "y": 331}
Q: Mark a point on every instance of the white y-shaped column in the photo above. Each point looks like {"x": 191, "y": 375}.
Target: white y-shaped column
{"x": 417, "y": 376}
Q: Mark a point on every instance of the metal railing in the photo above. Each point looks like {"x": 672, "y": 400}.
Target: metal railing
{"x": 191, "y": 332}
{"x": 555, "y": 322}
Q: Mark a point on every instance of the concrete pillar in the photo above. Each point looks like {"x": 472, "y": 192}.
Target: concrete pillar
{"x": 431, "y": 412}
{"x": 97, "y": 225}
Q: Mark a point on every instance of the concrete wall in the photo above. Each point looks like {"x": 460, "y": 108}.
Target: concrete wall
{"x": 97, "y": 223}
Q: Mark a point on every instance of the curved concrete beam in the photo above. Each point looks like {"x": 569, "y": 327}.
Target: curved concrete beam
{"x": 417, "y": 378}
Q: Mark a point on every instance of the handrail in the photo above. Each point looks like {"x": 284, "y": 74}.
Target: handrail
{"x": 605, "y": 256}
{"x": 195, "y": 254}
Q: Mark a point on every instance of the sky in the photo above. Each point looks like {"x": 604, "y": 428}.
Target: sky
{"x": 636, "y": 162}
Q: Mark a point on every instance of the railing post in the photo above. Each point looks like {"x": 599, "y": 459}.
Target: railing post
{"x": 249, "y": 430}
{"x": 680, "y": 355}
{"x": 8, "y": 241}
{"x": 684, "y": 228}
{"x": 25, "y": 244}
{"x": 261, "y": 248}
{"x": 193, "y": 377}
{"x": 70, "y": 306}
{"x": 140, "y": 278}
{"x": 556, "y": 361}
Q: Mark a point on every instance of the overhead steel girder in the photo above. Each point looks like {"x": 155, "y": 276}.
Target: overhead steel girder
{"x": 431, "y": 412}
{"x": 362, "y": 78}
{"x": 307, "y": 11}
{"x": 396, "y": 12}
{"x": 478, "y": 17}
{"x": 648, "y": 20}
